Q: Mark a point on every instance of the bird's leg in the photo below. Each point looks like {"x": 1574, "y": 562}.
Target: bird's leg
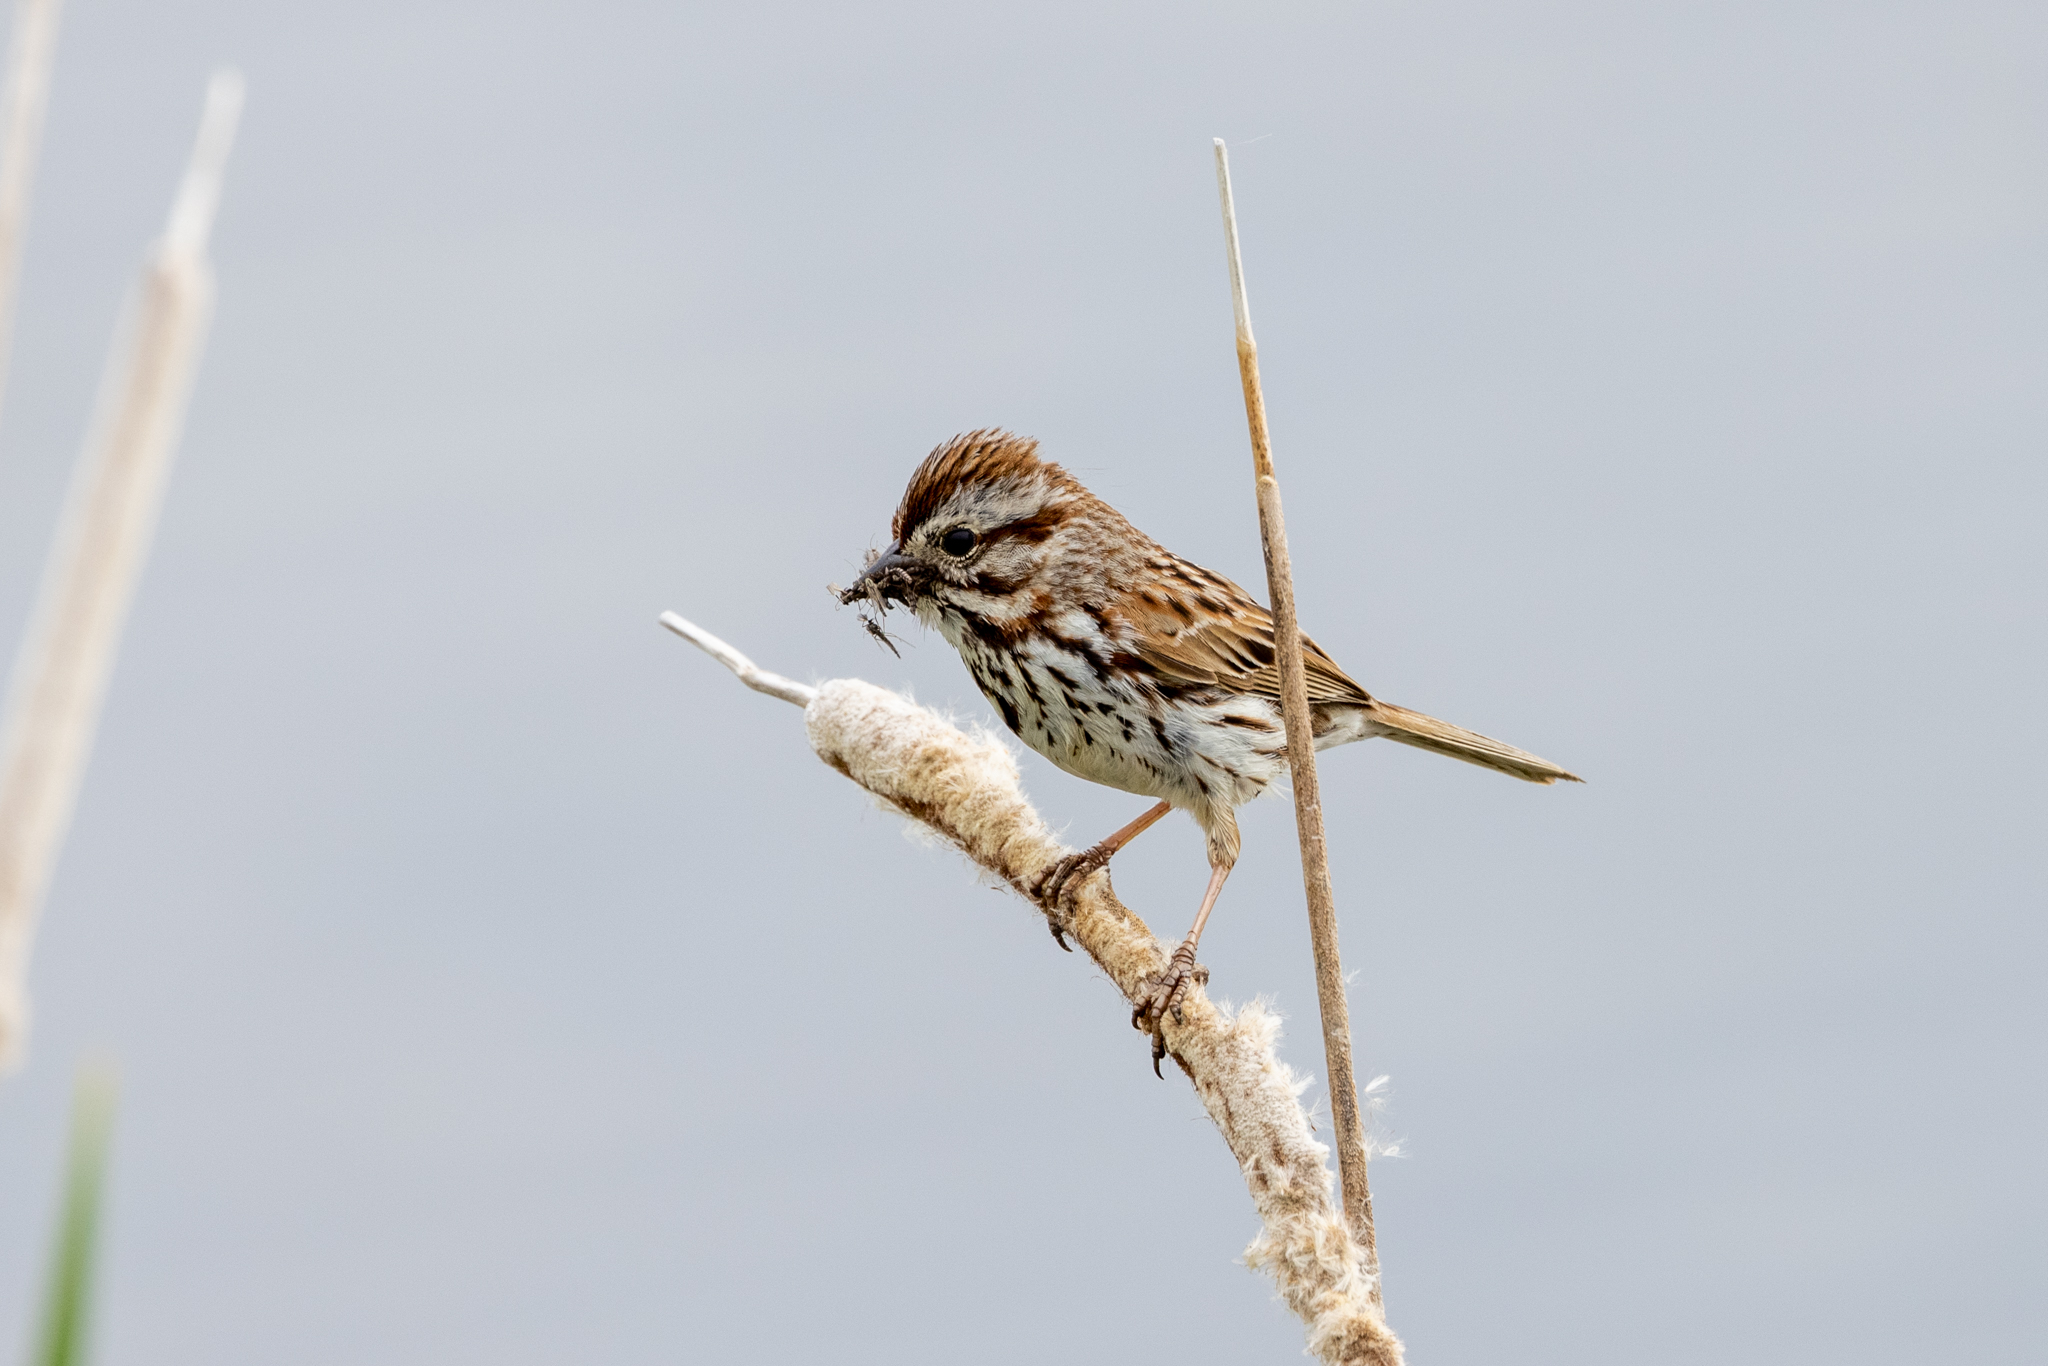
{"x": 1071, "y": 871}
{"x": 1171, "y": 986}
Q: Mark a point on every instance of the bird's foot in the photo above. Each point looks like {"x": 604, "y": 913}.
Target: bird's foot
{"x": 1057, "y": 884}
{"x": 1165, "y": 992}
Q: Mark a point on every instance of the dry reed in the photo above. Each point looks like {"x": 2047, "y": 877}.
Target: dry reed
{"x": 61, "y": 676}
{"x": 1301, "y": 761}
{"x": 30, "y": 54}
{"x": 966, "y": 788}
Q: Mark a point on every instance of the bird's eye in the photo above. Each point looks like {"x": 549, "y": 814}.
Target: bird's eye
{"x": 958, "y": 541}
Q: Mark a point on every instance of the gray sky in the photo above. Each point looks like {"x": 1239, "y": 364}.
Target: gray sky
{"x": 1657, "y": 389}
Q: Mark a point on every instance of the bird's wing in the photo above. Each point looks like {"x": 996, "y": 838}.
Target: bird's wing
{"x": 1201, "y": 629}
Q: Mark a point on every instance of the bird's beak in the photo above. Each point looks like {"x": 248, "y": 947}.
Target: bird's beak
{"x": 889, "y": 573}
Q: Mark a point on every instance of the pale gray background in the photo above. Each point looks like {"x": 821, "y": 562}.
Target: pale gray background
{"x": 1658, "y": 388}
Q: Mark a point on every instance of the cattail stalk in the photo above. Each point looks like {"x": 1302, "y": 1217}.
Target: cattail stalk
{"x": 53, "y": 704}
{"x": 30, "y": 54}
{"x": 1301, "y": 758}
{"x": 966, "y": 789}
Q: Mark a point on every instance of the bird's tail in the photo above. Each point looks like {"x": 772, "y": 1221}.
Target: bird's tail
{"x": 1441, "y": 737}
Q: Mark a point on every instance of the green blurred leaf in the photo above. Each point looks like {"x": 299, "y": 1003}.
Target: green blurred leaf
{"x": 67, "y": 1308}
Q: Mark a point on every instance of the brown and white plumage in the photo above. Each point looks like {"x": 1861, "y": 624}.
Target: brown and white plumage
{"x": 1115, "y": 658}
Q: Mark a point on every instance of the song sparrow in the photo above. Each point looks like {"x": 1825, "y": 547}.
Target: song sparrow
{"x": 1119, "y": 661}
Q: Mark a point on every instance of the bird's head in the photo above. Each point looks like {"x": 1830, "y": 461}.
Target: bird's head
{"x": 977, "y": 532}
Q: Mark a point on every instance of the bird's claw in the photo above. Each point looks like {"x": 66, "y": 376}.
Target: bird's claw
{"x": 1057, "y": 884}
{"x": 1167, "y": 990}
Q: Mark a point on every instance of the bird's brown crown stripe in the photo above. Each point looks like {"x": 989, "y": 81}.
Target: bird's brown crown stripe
{"x": 979, "y": 457}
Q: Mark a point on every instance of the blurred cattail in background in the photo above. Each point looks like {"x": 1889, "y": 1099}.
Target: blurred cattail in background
{"x": 22, "y": 101}
{"x": 54, "y": 701}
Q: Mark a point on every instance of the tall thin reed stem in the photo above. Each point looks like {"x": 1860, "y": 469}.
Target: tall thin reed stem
{"x": 1301, "y": 758}
{"x": 30, "y": 55}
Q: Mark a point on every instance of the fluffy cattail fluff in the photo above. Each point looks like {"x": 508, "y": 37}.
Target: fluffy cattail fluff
{"x": 966, "y": 788}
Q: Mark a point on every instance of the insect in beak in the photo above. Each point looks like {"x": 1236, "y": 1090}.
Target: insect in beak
{"x": 888, "y": 578}
{"x": 888, "y": 575}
